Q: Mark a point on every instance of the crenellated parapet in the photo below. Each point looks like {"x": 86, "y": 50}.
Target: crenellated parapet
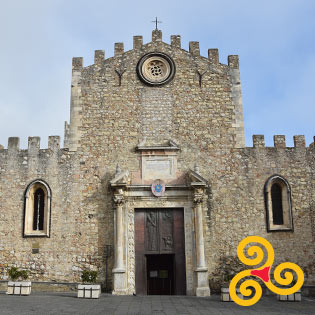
{"x": 194, "y": 49}
{"x": 119, "y": 49}
{"x": 99, "y": 57}
{"x": 279, "y": 142}
{"x": 33, "y": 144}
{"x": 77, "y": 63}
{"x": 213, "y": 55}
{"x": 17, "y": 157}
{"x": 137, "y": 42}
{"x": 175, "y": 42}
{"x": 13, "y": 144}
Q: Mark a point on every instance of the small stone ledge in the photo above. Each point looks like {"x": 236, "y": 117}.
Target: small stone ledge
{"x": 225, "y": 294}
{"x": 89, "y": 291}
{"x": 46, "y": 286}
{"x": 170, "y": 146}
{"x": 308, "y": 290}
{"x": 294, "y": 297}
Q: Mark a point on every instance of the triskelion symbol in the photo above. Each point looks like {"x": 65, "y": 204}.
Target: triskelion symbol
{"x": 263, "y": 272}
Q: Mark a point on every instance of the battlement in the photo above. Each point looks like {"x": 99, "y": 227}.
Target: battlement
{"x": 54, "y": 143}
{"x": 279, "y": 141}
{"x": 33, "y": 144}
{"x": 35, "y": 160}
{"x": 175, "y": 41}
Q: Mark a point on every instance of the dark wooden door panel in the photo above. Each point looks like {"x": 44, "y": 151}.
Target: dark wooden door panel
{"x": 166, "y": 231}
{"x": 159, "y": 235}
{"x": 152, "y": 226}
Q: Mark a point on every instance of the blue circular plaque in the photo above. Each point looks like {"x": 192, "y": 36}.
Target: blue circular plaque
{"x": 158, "y": 188}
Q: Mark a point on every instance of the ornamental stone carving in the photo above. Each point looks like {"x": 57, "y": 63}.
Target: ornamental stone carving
{"x": 156, "y": 69}
{"x": 119, "y": 198}
{"x": 198, "y": 198}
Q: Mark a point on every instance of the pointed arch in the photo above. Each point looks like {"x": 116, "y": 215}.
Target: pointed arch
{"x": 37, "y": 209}
{"x": 278, "y": 204}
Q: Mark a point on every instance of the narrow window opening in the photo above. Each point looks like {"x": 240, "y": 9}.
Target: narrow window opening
{"x": 277, "y": 209}
{"x": 39, "y": 208}
{"x": 278, "y": 204}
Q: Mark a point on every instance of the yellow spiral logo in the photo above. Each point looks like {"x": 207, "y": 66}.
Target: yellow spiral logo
{"x": 251, "y": 288}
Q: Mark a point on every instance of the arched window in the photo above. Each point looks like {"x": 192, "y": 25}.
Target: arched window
{"x": 276, "y": 200}
{"x": 37, "y": 209}
{"x": 39, "y": 206}
{"x": 278, "y": 204}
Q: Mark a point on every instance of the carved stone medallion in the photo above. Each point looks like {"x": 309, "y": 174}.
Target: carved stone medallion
{"x": 156, "y": 69}
{"x": 158, "y": 188}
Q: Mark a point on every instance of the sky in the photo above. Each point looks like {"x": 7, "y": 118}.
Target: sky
{"x": 274, "y": 41}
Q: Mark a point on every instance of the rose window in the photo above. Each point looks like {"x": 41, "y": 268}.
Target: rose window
{"x": 156, "y": 69}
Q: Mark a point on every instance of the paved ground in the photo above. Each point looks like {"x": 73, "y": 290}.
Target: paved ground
{"x": 68, "y": 303}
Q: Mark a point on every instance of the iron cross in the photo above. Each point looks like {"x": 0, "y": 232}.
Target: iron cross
{"x": 156, "y": 23}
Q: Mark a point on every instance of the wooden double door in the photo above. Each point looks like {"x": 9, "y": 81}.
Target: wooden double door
{"x": 160, "y": 251}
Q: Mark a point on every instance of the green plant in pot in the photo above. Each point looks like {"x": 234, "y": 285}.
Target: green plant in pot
{"x": 89, "y": 276}
{"x": 227, "y": 267}
{"x": 18, "y": 284}
{"x": 89, "y": 288}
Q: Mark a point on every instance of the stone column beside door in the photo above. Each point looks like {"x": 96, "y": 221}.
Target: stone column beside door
{"x": 202, "y": 287}
{"x": 119, "y": 271}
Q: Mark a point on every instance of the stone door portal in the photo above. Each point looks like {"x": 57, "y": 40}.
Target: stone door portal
{"x": 160, "y": 251}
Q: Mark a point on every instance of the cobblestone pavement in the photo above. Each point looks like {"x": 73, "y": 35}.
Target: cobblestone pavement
{"x": 68, "y": 303}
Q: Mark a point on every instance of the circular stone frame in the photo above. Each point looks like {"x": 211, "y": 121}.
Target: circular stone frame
{"x": 157, "y": 64}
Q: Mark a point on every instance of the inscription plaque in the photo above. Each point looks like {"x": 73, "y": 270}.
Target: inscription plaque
{"x": 153, "y": 168}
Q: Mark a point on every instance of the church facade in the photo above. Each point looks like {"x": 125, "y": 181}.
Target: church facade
{"x": 154, "y": 187}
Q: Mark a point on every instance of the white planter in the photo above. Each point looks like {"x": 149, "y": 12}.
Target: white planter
{"x": 294, "y": 297}
{"x": 89, "y": 291}
{"x": 225, "y": 294}
{"x": 19, "y": 287}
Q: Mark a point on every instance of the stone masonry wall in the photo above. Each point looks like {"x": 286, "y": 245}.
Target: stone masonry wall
{"x": 67, "y": 251}
{"x": 118, "y": 113}
{"x": 202, "y": 122}
{"x": 112, "y": 111}
{"x": 243, "y": 212}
